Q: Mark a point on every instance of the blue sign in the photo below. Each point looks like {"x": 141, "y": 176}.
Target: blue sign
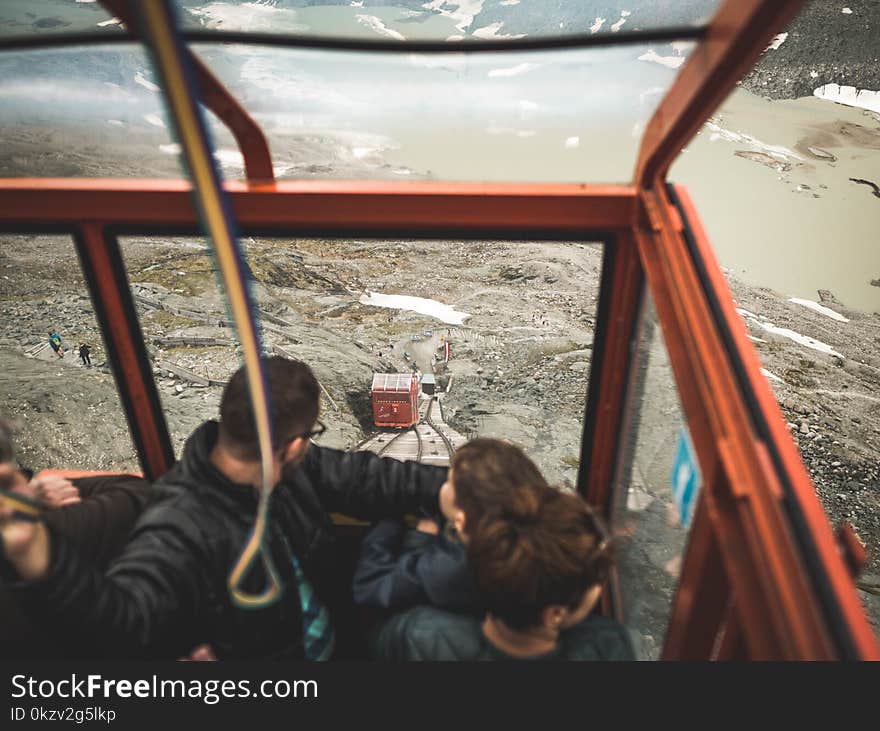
{"x": 685, "y": 477}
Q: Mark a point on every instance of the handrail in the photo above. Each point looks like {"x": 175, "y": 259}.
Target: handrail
{"x": 248, "y": 135}
{"x": 370, "y": 45}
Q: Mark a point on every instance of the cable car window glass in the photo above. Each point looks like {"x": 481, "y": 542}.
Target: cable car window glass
{"x": 511, "y": 327}
{"x": 400, "y": 20}
{"x": 439, "y": 20}
{"x": 183, "y": 315}
{"x": 552, "y": 116}
{"x": 85, "y": 112}
{"x": 62, "y": 400}
{"x": 647, "y": 516}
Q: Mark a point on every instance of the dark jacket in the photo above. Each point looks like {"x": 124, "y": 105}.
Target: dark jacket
{"x": 426, "y": 633}
{"x": 99, "y": 526}
{"x": 401, "y": 568}
{"x": 167, "y": 591}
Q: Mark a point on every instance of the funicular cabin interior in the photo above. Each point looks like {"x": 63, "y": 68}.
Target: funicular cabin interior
{"x": 761, "y": 573}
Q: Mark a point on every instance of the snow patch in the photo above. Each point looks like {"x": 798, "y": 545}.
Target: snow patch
{"x": 821, "y": 309}
{"x": 154, "y": 119}
{"x": 492, "y": 31}
{"x": 771, "y": 376}
{"x": 421, "y": 305}
{"x": 253, "y": 16}
{"x": 376, "y": 24}
{"x": 522, "y": 68}
{"x": 672, "y": 62}
{"x": 846, "y": 11}
{"x": 850, "y": 96}
{"x": 777, "y": 41}
{"x": 464, "y": 13}
{"x": 496, "y": 130}
{"x": 784, "y": 332}
{"x": 777, "y": 151}
{"x": 139, "y": 78}
{"x": 230, "y": 159}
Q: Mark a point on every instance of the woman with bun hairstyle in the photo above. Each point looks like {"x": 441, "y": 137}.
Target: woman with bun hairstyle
{"x": 539, "y": 559}
{"x": 400, "y": 568}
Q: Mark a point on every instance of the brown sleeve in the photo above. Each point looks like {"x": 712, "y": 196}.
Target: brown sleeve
{"x": 100, "y": 523}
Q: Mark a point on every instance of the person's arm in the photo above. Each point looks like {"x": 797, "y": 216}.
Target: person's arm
{"x": 366, "y": 486}
{"x": 383, "y": 577}
{"x": 391, "y": 577}
{"x": 144, "y": 605}
{"x": 101, "y": 521}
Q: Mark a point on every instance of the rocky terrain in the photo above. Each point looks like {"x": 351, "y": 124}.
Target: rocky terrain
{"x": 520, "y": 363}
{"x": 827, "y": 43}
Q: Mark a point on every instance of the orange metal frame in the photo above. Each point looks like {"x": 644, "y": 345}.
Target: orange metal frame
{"x": 763, "y": 577}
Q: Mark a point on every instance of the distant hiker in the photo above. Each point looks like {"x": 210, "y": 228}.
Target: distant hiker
{"x": 55, "y": 342}
{"x": 84, "y": 355}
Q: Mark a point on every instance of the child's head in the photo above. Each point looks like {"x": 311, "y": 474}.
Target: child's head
{"x": 482, "y": 476}
{"x": 541, "y": 560}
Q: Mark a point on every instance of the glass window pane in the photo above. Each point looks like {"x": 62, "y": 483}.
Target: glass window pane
{"x": 183, "y": 316}
{"x": 649, "y": 536}
{"x": 440, "y": 20}
{"x": 83, "y": 112}
{"x": 399, "y": 20}
{"x": 518, "y": 318}
{"x": 518, "y": 321}
{"x": 66, "y": 412}
{"x": 553, "y": 116}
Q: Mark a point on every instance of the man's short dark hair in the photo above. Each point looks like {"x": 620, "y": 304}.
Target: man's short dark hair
{"x": 294, "y": 397}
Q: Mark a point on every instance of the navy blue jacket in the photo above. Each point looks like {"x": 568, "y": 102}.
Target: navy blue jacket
{"x": 400, "y": 568}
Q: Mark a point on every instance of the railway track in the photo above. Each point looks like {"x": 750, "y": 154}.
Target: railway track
{"x": 393, "y": 439}
{"x": 430, "y": 441}
{"x": 450, "y": 448}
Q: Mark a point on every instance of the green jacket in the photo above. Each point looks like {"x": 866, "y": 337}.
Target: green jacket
{"x": 426, "y": 633}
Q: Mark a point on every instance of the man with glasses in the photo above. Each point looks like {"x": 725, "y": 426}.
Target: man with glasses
{"x": 168, "y": 590}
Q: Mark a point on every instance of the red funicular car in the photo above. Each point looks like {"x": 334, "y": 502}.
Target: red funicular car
{"x": 395, "y": 399}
